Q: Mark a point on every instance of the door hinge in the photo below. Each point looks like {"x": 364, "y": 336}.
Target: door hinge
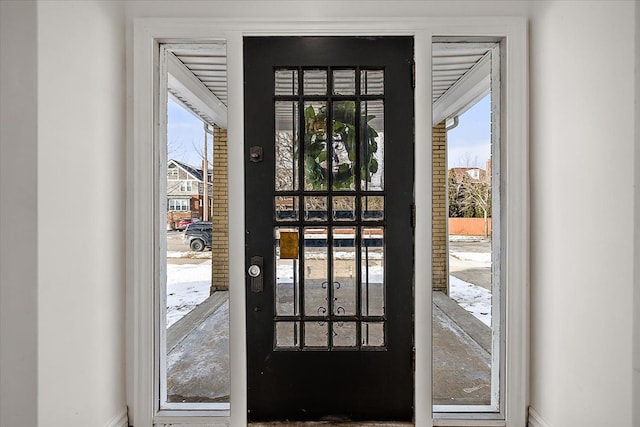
{"x": 413, "y": 215}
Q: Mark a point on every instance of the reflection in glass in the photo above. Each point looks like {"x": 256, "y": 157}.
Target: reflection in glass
{"x": 344, "y": 82}
{"x": 344, "y": 271}
{"x": 373, "y": 334}
{"x": 315, "y": 145}
{"x": 316, "y": 274}
{"x": 286, "y": 82}
{"x": 286, "y": 208}
{"x": 372, "y": 208}
{"x": 315, "y": 82}
{"x": 372, "y": 145}
{"x": 344, "y": 145}
{"x": 287, "y": 283}
{"x": 372, "y": 276}
{"x": 315, "y": 208}
{"x": 344, "y": 208}
{"x": 286, "y": 146}
{"x": 287, "y": 334}
{"x": 344, "y": 334}
{"x": 372, "y": 82}
{"x": 315, "y": 334}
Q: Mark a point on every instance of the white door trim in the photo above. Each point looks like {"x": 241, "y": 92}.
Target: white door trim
{"x": 142, "y": 196}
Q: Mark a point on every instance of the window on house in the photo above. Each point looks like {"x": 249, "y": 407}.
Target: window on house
{"x": 179, "y": 205}
{"x": 186, "y": 186}
{"x": 172, "y": 172}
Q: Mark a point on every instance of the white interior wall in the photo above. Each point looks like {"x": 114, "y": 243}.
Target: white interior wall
{"x": 582, "y": 212}
{"x": 18, "y": 228}
{"x": 636, "y": 251}
{"x": 81, "y": 190}
{"x": 306, "y": 9}
{"x": 581, "y": 162}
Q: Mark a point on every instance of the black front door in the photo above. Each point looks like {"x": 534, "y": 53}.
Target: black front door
{"x": 329, "y": 238}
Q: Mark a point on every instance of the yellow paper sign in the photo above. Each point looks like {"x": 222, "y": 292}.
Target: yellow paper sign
{"x": 288, "y": 245}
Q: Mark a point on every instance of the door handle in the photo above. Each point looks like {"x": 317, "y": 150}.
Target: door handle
{"x": 255, "y": 274}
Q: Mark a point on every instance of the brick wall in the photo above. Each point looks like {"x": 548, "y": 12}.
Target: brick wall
{"x": 220, "y": 215}
{"x": 439, "y": 210}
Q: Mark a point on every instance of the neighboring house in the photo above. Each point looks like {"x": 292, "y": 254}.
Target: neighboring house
{"x": 476, "y": 174}
{"x": 185, "y": 191}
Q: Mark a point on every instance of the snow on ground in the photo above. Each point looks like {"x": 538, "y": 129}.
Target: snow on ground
{"x": 483, "y": 258}
{"x": 187, "y": 286}
{"x": 284, "y": 273}
{"x": 373, "y": 254}
{"x": 463, "y": 238}
{"x": 475, "y": 299}
{"x": 189, "y": 254}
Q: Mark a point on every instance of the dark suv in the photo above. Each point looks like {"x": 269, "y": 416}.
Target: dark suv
{"x": 198, "y": 235}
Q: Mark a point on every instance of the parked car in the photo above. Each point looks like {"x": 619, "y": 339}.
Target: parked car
{"x": 183, "y": 223}
{"x": 198, "y": 235}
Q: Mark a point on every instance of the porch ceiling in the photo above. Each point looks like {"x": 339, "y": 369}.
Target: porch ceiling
{"x": 209, "y": 65}
{"x": 451, "y": 61}
{"x": 460, "y": 73}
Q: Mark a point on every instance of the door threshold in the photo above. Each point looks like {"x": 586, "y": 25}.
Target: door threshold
{"x": 331, "y": 423}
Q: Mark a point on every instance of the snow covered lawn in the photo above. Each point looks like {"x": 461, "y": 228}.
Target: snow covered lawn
{"x": 475, "y": 299}
{"x": 187, "y": 286}
{"x": 478, "y": 258}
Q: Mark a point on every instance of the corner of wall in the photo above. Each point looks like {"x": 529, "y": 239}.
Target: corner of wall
{"x": 18, "y": 215}
{"x": 120, "y": 420}
{"x": 535, "y": 420}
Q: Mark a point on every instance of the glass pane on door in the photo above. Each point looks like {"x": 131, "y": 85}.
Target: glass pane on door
{"x": 332, "y": 294}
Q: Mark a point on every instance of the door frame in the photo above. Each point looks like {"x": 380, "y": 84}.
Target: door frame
{"x": 143, "y": 204}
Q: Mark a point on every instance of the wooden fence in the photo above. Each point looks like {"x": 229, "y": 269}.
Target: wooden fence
{"x": 468, "y": 226}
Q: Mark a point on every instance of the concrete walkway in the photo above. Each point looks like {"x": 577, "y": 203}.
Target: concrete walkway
{"x": 198, "y": 354}
{"x": 461, "y": 355}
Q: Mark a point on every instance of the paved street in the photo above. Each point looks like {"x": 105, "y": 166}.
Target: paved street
{"x": 180, "y": 253}
{"x": 468, "y": 270}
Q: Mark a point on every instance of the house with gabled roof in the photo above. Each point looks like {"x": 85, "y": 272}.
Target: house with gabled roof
{"x": 185, "y": 189}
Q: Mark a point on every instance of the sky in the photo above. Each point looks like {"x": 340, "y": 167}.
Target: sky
{"x": 185, "y": 135}
{"x": 469, "y": 144}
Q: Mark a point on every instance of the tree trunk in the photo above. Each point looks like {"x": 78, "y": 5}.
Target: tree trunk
{"x": 486, "y": 224}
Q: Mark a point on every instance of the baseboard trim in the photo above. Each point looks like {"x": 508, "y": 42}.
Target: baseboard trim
{"x": 120, "y": 420}
{"x": 535, "y": 420}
